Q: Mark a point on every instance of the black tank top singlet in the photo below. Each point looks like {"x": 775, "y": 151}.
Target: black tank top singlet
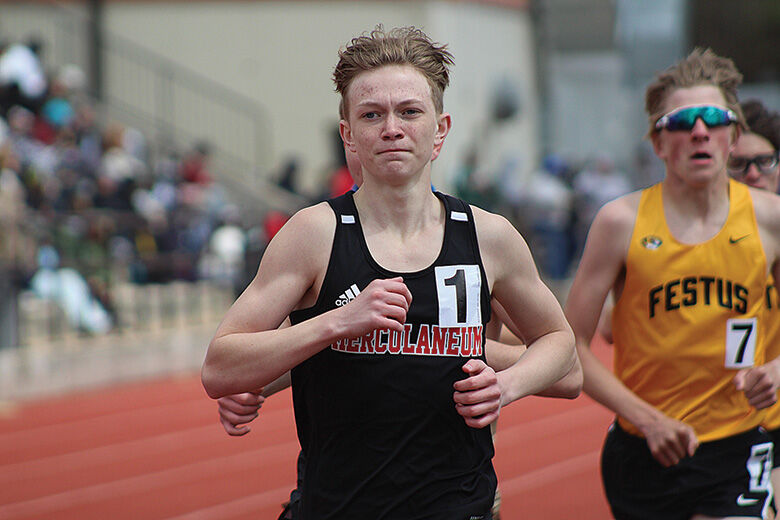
{"x": 375, "y": 415}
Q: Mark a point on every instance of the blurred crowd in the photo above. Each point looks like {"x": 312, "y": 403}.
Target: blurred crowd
{"x": 85, "y": 204}
{"x": 555, "y": 205}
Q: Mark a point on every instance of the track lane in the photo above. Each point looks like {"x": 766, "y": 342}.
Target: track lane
{"x": 155, "y": 450}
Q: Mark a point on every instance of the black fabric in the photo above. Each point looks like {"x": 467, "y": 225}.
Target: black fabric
{"x": 380, "y": 432}
{"x": 715, "y": 481}
{"x": 775, "y": 435}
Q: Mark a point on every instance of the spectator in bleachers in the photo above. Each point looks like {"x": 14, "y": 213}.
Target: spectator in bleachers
{"x": 194, "y": 164}
{"x": 547, "y": 206}
{"x": 288, "y": 174}
{"x": 57, "y": 110}
{"x": 11, "y": 188}
{"x": 33, "y": 154}
{"x": 22, "y": 77}
{"x": 117, "y": 163}
{"x": 224, "y": 258}
{"x": 88, "y": 135}
{"x": 69, "y": 289}
{"x": 4, "y": 131}
{"x": 595, "y": 185}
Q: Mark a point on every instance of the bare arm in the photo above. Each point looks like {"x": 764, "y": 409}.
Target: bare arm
{"x": 502, "y": 347}
{"x": 505, "y": 352}
{"x": 530, "y": 307}
{"x": 249, "y": 351}
{"x": 760, "y": 383}
{"x": 602, "y": 264}
{"x": 533, "y": 309}
{"x": 279, "y": 384}
{"x": 236, "y": 411}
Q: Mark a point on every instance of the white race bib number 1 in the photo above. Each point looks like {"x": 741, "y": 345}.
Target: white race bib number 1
{"x": 741, "y": 342}
{"x": 458, "y": 288}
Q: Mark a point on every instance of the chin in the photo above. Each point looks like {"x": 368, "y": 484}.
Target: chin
{"x": 703, "y": 177}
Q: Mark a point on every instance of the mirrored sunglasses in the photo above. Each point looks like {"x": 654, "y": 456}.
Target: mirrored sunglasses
{"x": 739, "y": 166}
{"x": 684, "y": 118}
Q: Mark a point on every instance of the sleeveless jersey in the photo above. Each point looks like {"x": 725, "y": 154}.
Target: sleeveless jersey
{"x": 689, "y": 317}
{"x": 375, "y": 414}
{"x": 772, "y": 329}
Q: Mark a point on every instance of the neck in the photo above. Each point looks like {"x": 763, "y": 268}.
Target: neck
{"x": 405, "y": 209}
{"x": 697, "y": 199}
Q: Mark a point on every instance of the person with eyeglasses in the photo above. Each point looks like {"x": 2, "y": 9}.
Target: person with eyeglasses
{"x": 688, "y": 260}
{"x": 754, "y": 162}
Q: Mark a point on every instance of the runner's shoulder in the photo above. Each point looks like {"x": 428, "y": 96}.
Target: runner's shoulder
{"x": 619, "y": 215}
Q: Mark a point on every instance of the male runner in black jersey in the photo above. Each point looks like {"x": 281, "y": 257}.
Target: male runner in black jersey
{"x": 389, "y": 292}
{"x": 238, "y": 410}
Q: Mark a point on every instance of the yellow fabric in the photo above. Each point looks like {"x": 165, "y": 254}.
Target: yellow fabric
{"x": 670, "y": 322}
{"x": 772, "y": 328}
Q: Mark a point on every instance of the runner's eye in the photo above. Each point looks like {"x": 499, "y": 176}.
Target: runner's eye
{"x": 766, "y": 163}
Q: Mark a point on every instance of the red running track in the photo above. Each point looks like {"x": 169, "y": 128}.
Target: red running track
{"x": 155, "y": 450}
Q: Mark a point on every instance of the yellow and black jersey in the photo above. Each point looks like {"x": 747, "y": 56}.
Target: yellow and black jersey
{"x": 690, "y": 316}
{"x": 772, "y": 330}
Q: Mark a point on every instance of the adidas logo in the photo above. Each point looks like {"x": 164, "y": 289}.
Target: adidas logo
{"x": 348, "y": 295}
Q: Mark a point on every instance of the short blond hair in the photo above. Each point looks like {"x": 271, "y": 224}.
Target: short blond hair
{"x": 398, "y": 46}
{"x": 700, "y": 67}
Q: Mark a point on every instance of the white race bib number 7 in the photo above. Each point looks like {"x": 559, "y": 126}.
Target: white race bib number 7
{"x": 741, "y": 342}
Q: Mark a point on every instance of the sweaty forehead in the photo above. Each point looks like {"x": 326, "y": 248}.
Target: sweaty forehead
{"x": 389, "y": 84}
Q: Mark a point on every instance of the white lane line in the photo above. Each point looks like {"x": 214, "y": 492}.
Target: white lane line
{"x": 151, "y": 481}
{"x": 589, "y": 462}
{"x": 524, "y": 432}
{"x": 240, "y": 506}
{"x": 157, "y": 445}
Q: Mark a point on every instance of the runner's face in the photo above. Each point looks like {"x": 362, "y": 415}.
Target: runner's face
{"x": 699, "y": 155}
{"x": 750, "y": 145}
{"x": 392, "y": 123}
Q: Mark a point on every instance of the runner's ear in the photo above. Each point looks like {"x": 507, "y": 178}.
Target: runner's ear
{"x": 346, "y": 135}
{"x": 442, "y": 129}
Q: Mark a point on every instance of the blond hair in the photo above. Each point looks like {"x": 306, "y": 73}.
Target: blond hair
{"x": 398, "y": 46}
{"x": 700, "y": 67}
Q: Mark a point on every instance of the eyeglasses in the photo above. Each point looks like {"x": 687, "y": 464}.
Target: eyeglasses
{"x": 739, "y": 166}
{"x": 684, "y": 118}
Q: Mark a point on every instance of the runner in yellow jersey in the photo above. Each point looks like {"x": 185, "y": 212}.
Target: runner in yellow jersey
{"x": 754, "y": 161}
{"x": 688, "y": 261}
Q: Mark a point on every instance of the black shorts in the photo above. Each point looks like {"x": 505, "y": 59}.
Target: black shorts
{"x": 726, "y": 477}
{"x": 775, "y": 435}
